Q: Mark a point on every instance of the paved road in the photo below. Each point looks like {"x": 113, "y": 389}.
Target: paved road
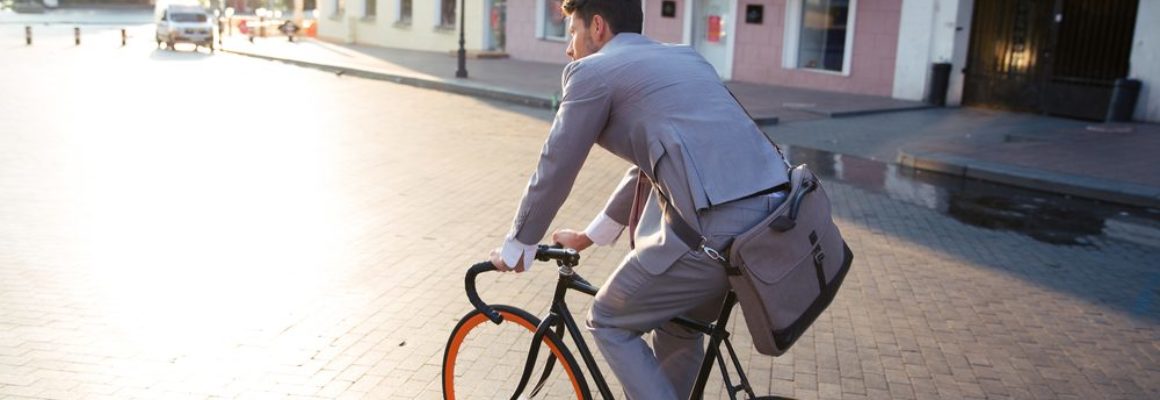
{"x": 181, "y": 225}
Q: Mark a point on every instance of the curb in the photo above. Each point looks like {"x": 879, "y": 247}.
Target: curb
{"x": 858, "y": 113}
{"x": 770, "y": 120}
{"x": 1080, "y": 186}
{"x": 446, "y": 85}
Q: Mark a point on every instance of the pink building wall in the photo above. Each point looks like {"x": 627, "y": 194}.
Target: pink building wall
{"x": 757, "y": 55}
{"x": 668, "y": 30}
{"x": 522, "y": 41}
{"x": 758, "y": 51}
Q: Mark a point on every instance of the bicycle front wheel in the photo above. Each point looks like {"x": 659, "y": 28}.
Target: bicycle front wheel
{"x": 485, "y": 360}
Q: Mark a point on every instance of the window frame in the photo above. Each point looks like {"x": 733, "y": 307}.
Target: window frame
{"x": 542, "y": 23}
{"x": 792, "y": 43}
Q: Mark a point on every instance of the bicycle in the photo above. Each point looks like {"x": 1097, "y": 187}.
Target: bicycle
{"x": 551, "y": 331}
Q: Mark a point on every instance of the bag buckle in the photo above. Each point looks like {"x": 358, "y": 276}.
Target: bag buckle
{"x": 720, "y": 259}
{"x": 714, "y": 254}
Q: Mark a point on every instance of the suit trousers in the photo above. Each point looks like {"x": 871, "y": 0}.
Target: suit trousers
{"x": 633, "y": 302}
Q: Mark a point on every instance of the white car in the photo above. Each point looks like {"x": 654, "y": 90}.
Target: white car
{"x": 185, "y": 24}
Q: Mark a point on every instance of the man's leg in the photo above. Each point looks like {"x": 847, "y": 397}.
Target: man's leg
{"x": 681, "y": 350}
{"x": 633, "y": 302}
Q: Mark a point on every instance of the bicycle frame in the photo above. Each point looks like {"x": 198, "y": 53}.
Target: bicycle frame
{"x": 559, "y": 320}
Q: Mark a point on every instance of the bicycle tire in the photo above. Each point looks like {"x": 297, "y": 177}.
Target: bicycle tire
{"x": 516, "y": 316}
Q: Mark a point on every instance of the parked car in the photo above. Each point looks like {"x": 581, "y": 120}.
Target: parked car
{"x": 184, "y": 24}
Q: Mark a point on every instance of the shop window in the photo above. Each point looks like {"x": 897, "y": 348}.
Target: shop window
{"x": 552, "y": 22}
{"x": 819, "y": 35}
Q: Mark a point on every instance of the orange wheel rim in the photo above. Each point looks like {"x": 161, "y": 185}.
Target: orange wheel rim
{"x": 453, "y": 351}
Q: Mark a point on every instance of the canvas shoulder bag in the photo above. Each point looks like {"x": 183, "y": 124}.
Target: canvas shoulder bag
{"x": 786, "y": 269}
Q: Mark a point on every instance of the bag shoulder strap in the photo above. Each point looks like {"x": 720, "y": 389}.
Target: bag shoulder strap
{"x": 694, "y": 239}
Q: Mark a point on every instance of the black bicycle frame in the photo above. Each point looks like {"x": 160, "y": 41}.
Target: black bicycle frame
{"x": 559, "y": 320}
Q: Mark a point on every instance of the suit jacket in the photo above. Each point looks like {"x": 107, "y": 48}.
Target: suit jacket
{"x": 663, "y": 109}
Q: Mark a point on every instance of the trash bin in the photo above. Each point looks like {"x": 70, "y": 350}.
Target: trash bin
{"x": 940, "y": 78}
{"x": 1123, "y": 103}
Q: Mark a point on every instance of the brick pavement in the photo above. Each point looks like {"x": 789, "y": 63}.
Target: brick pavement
{"x": 325, "y": 262}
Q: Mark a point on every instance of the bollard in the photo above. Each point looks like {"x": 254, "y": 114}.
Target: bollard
{"x": 1123, "y": 103}
{"x": 27, "y": 35}
{"x": 77, "y": 34}
{"x": 262, "y": 26}
{"x": 230, "y": 24}
{"x": 940, "y": 75}
{"x": 124, "y": 37}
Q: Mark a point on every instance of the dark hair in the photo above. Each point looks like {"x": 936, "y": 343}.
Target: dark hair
{"x": 621, "y": 15}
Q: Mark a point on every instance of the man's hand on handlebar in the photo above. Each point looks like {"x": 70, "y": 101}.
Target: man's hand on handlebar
{"x": 500, "y": 265}
{"x": 572, "y": 239}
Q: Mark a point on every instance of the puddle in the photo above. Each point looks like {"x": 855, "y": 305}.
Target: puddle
{"x": 1045, "y": 217}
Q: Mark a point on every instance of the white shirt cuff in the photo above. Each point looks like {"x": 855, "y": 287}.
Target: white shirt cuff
{"x": 513, "y": 251}
{"x": 603, "y": 231}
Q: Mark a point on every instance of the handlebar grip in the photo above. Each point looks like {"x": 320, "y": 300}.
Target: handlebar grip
{"x": 473, "y": 296}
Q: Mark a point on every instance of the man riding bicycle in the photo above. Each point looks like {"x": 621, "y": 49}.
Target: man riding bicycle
{"x": 696, "y": 156}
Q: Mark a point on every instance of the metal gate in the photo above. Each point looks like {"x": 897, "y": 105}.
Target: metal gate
{"x": 1056, "y": 57}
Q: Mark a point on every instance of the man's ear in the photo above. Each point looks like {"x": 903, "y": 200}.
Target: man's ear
{"x": 598, "y": 26}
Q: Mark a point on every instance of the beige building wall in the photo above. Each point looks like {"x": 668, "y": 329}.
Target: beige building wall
{"x": 352, "y": 24}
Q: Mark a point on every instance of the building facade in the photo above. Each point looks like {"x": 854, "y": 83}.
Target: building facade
{"x": 431, "y": 25}
{"x": 1058, "y": 57}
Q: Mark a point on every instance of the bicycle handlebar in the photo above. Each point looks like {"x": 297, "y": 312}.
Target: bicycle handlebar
{"x": 563, "y": 256}
{"x": 473, "y": 296}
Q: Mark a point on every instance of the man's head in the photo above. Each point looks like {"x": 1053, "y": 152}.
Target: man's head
{"x": 595, "y": 22}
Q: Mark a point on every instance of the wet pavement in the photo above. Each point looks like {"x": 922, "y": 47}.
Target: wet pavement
{"x": 1043, "y": 216}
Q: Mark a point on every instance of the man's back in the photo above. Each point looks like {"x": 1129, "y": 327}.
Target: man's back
{"x": 667, "y": 100}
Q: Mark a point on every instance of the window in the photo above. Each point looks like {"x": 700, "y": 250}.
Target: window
{"x": 553, "y": 24}
{"x": 447, "y": 14}
{"x": 404, "y": 11}
{"x": 370, "y": 8}
{"x": 186, "y": 17}
{"x": 822, "y": 41}
{"x": 339, "y": 7}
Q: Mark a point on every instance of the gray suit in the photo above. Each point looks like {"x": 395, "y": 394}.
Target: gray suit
{"x": 663, "y": 109}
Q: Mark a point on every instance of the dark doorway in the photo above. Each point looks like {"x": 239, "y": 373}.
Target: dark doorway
{"x": 1057, "y": 57}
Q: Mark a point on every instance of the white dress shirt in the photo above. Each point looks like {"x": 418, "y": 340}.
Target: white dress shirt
{"x": 603, "y": 231}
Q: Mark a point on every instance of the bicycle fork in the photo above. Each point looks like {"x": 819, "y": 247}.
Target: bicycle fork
{"x": 560, "y": 319}
{"x": 537, "y": 340}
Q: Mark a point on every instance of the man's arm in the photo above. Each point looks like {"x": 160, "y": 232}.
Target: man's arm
{"x": 583, "y": 113}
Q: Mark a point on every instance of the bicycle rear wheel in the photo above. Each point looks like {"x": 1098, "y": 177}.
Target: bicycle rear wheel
{"x": 485, "y": 360}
